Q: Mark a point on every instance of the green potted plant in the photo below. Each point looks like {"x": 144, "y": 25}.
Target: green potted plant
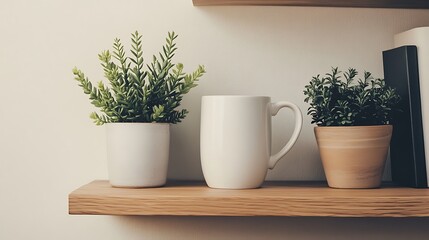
{"x": 353, "y": 126}
{"x": 138, "y": 108}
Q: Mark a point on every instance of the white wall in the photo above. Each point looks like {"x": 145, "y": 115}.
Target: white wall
{"x": 49, "y": 146}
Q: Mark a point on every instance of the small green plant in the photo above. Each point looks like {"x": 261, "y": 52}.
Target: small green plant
{"x": 349, "y": 102}
{"x": 136, "y": 94}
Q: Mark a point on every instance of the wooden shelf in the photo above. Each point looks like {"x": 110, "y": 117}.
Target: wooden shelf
{"x": 321, "y": 3}
{"x": 273, "y": 199}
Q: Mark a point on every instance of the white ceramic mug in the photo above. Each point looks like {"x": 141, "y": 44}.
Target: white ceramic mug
{"x": 236, "y": 139}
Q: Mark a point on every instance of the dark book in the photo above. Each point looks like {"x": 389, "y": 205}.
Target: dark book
{"x": 407, "y": 151}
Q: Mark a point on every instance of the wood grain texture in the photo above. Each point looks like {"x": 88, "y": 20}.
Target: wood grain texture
{"x": 321, "y": 3}
{"x": 273, "y": 199}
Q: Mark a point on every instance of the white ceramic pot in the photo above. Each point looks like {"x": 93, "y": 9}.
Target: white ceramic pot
{"x": 137, "y": 154}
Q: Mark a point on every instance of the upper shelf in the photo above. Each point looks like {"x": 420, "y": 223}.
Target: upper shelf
{"x": 321, "y": 3}
{"x": 273, "y": 199}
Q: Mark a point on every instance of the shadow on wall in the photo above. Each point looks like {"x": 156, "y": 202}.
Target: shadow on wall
{"x": 274, "y": 227}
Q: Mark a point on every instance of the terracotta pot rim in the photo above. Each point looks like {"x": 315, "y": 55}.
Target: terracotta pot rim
{"x": 138, "y": 123}
{"x": 350, "y": 127}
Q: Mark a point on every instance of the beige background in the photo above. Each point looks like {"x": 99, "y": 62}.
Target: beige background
{"x": 49, "y": 146}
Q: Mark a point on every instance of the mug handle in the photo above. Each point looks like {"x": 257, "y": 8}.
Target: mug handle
{"x": 275, "y": 107}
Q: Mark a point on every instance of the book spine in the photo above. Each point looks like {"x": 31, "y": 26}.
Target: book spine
{"x": 407, "y": 146}
{"x": 420, "y": 38}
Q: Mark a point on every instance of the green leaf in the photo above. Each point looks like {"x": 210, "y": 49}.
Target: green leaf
{"x": 135, "y": 93}
{"x": 340, "y": 100}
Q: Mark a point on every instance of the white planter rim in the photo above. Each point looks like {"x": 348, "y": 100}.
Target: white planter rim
{"x": 236, "y": 96}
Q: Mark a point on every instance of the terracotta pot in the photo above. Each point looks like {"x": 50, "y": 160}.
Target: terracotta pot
{"x": 354, "y": 157}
